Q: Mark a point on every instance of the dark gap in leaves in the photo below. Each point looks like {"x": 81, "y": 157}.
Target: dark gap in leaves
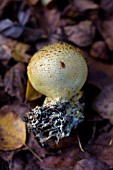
{"x": 32, "y": 49}
{"x": 97, "y": 1}
{"x": 61, "y": 4}
{"x": 23, "y": 156}
{"x": 4, "y": 164}
{"x": 11, "y": 10}
{"x": 91, "y": 92}
{"x": 12, "y": 62}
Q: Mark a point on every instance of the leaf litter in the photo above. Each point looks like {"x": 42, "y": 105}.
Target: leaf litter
{"x": 25, "y": 27}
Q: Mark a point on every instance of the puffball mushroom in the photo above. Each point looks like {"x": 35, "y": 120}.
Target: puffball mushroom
{"x": 58, "y": 71}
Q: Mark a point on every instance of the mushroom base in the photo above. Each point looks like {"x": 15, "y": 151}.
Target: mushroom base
{"x": 54, "y": 121}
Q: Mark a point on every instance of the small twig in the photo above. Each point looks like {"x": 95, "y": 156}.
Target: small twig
{"x": 80, "y": 146}
{"x": 110, "y": 142}
{"x": 33, "y": 153}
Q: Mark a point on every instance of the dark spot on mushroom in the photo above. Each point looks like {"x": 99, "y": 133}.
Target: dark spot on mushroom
{"x": 62, "y": 64}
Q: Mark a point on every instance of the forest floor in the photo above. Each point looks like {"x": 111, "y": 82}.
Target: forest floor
{"x": 25, "y": 27}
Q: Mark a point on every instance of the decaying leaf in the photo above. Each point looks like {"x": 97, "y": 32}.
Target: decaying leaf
{"x": 107, "y": 6}
{"x": 52, "y": 18}
{"x": 103, "y": 104}
{"x": 23, "y": 16}
{"x": 19, "y": 161}
{"x": 83, "y": 5}
{"x": 100, "y": 74}
{"x": 5, "y": 24}
{"x": 90, "y": 164}
{"x": 31, "y": 93}
{"x": 99, "y": 50}
{"x": 12, "y": 132}
{"x": 76, "y": 8}
{"x": 10, "y": 43}
{"x": 102, "y": 26}
{"x": 101, "y": 149}
{"x": 14, "y": 81}
{"x": 9, "y": 28}
{"x": 65, "y": 160}
{"x": 16, "y": 108}
{"x": 30, "y": 35}
{"x": 5, "y": 54}
{"x": 81, "y": 34}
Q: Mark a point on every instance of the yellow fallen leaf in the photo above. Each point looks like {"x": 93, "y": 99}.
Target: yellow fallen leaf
{"x": 31, "y": 93}
{"x": 19, "y": 53}
{"x": 12, "y": 132}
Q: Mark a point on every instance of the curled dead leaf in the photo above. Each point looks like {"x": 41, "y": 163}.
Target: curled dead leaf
{"x": 31, "y": 93}
{"x": 14, "y": 81}
{"x": 106, "y": 33}
{"x": 81, "y": 34}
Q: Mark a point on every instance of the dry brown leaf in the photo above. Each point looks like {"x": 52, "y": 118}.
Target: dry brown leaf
{"x": 100, "y": 74}
{"x": 31, "y": 93}
{"x": 5, "y": 54}
{"x": 16, "y": 108}
{"x": 107, "y": 6}
{"x": 14, "y": 81}
{"x": 64, "y": 160}
{"x": 53, "y": 19}
{"x": 10, "y": 43}
{"x": 83, "y": 5}
{"x": 12, "y": 132}
{"x": 105, "y": 28}
{"x": 91, "y": 164}
{"x": 103, "y": 104}
{"x": 99, "y": 50}
{"x": 76, "y": 8}
{"x": 101, "y": 149}
{"x": 81, "y": 34}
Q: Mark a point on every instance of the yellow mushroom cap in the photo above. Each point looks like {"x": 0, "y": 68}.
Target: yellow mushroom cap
{"x": 58, "y": 71}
